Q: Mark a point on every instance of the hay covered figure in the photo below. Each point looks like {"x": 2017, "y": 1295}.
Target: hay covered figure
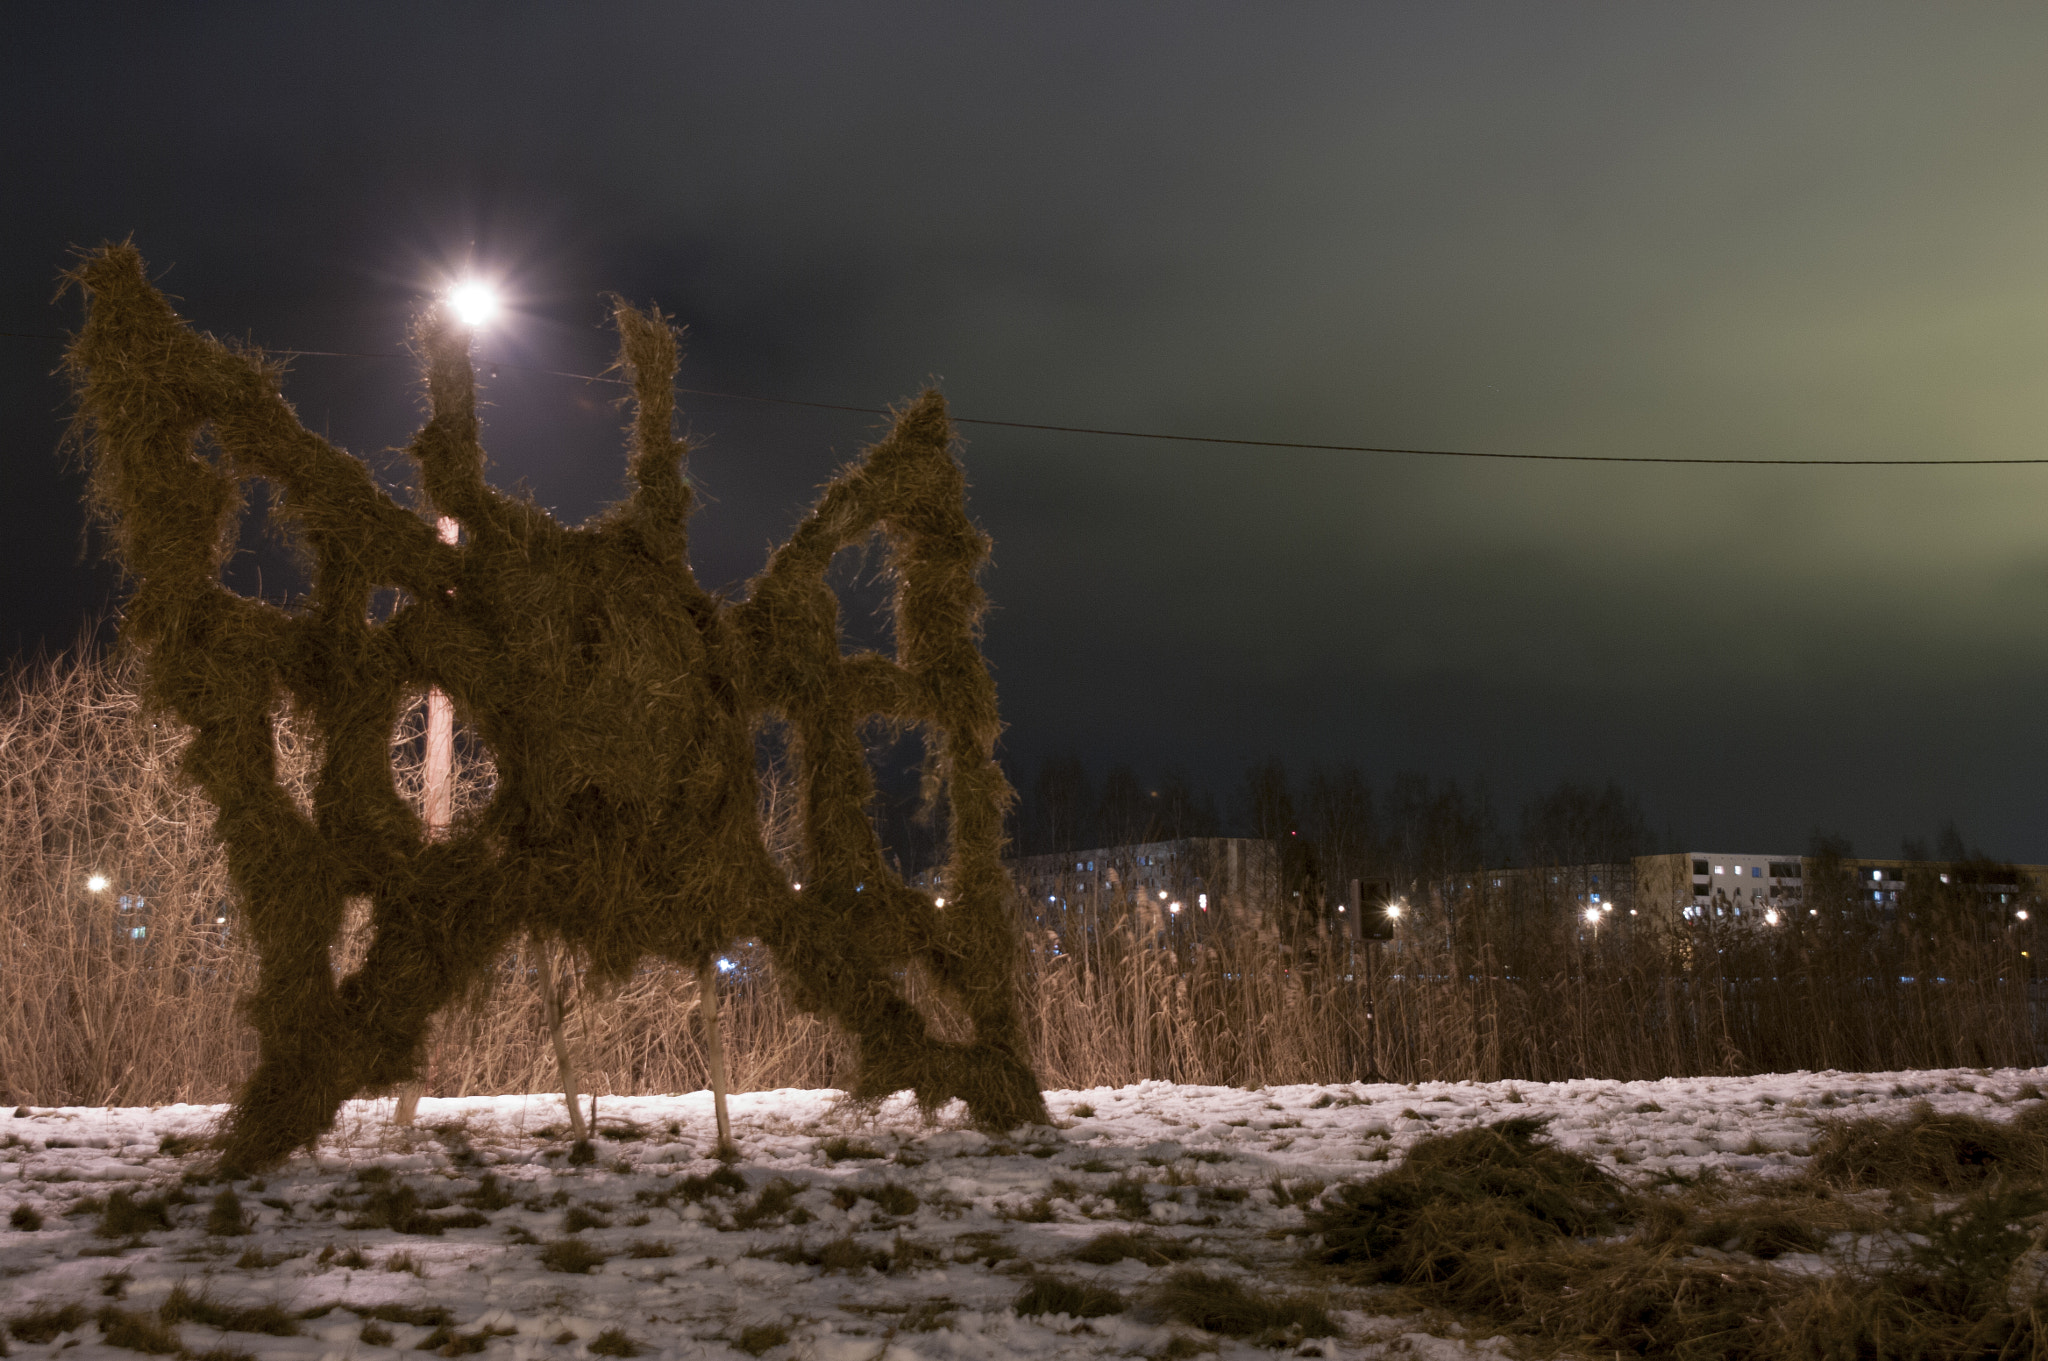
{"x": 618, "y": 698}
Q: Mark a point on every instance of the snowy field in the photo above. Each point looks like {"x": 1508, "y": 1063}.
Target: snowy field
{"x": 858, "y": 1234}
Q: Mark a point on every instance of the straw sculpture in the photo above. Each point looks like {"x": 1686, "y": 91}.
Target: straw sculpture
{"x": 618, "y": 698}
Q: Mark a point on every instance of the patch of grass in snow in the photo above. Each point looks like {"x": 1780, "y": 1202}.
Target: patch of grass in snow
{"x": 137, "y": 1332}
{"x": 44, "y": 1322}
{"x": 983, "y": 1247}
{"x": 614, "y": 1342}
{"x": 1148, "y": 1249}
{"x": 25, "y": 1218}
{"x": 1127, "y": 1193}
{"x": 887, "y": 1197}
{"x": 225, "y": 1217}
{"x": 490, "y": 1194}
{"x": 572, "y": 1255}
{"x": 1056, "y": 1295}
{"x": 758, "y": 1338}
{"x": 841, "y": 1149}
{"x": 840, "y": 1254}
{"x": 776, "y": 1200}
{"x": 124, "y": 1216}
{"x": 1930, "y": 1150}
{"x": 185, "y": 1306}
{"x": 1225, "y": 1305}
{"x": 417, "y": 1315}
{"x": 1458, "y": 1198}
{"x": 397, "y": 1206}
{"x": 1037, "y": 1210}
{"x": 445, "y": 1341}
{"x": 1494, "y": 1224}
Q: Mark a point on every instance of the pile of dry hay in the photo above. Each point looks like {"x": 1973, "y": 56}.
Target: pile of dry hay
{"x": 1496, "y": 1226}
{"x": 618, "y": 698}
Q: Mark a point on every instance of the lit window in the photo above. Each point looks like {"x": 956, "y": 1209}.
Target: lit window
{"x": 1756, "y": 871}
{"x": 1720, "y": 869}
{"x": 1202, "y": 901}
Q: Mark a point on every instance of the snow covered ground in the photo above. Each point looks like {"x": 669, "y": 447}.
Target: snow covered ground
{"x": 879, "y": 1236}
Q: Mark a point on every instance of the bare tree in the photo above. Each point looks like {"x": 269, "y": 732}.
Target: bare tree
{"x": 1063, "y": 805}
{"x": 1128, "y": 812}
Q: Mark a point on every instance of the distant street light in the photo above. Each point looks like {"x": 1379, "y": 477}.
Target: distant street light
{"x": 97, "y": 884}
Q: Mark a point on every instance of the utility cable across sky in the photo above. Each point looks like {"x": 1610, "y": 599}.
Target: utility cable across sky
{"x": 1227, "y": 440}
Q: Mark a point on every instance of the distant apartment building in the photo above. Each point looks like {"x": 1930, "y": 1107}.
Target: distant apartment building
{"x": 1191, "y": 878}
{"x": 1766, "y": 887}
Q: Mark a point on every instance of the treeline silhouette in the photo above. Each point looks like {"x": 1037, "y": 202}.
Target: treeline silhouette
{"x": 1415, "y": 829}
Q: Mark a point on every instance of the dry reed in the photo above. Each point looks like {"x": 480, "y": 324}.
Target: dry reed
{"x": 92, "y": 1014}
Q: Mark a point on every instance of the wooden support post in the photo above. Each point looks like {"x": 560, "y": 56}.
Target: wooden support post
{"x": 714, "y": 1050}
{"x": 557, "y": 1012}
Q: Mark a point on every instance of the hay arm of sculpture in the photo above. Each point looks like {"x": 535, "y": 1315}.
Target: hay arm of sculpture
{"x": 858, "y": 919}
{"x": 148, "y": 387}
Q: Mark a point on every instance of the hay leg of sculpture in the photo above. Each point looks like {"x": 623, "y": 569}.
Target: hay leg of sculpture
{"x": 714, "y": 1050}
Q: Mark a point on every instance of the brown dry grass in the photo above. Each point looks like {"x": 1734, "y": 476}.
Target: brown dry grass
{"x": 1495, "y": 1226}
{"x": 93, "y": 1015}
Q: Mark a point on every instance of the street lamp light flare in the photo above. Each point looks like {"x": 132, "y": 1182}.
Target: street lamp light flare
{"x": 474, "y": 302}
{"x": 98, "y": 883}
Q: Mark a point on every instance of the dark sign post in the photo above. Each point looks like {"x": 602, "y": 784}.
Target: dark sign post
{"x": 1373, "y": 901}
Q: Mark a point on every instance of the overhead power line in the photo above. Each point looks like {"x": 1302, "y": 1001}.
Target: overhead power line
{"x": 1226, "y": 440}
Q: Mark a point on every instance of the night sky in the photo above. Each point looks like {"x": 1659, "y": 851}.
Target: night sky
{"x": 1774, "y": 230}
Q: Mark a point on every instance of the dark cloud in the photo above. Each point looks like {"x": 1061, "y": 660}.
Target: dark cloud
{"x": 1795, "y": 231}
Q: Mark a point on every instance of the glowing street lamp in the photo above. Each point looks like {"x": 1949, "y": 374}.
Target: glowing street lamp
{"x": 473, "y": 302}
{"x": 97, "y": 884}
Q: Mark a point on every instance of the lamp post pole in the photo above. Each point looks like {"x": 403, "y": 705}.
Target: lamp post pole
{"x": 437, "y": 806}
